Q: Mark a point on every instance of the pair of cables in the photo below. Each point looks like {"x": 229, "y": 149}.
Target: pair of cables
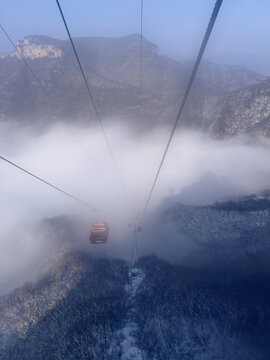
{"x": 178, "y": 117}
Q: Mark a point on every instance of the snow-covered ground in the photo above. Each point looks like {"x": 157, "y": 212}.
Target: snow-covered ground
{"x": 126, "y": 337}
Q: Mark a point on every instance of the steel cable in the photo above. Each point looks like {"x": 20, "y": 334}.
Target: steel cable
{"x": 192, "y": 77}
{"x": 52, "y": 186}
{"x": 92, "y": 101}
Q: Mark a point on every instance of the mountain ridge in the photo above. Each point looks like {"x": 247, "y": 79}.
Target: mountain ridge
{"x": 112, "y": 67}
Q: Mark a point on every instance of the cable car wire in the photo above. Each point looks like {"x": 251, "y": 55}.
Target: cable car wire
{"x": 20, "y": 54}
{"x": 39, "y": 82}
{"x": 134, "y": 244}
{"x": 92, "y": 99}
{"x": 191, "y": 79}
{"x": 141, "y": 50}
{"x": 25, "y": 62}
{"x": 52, "y": 186}
{"x": 140, "y": 98}
{"x": 140, "y": 94}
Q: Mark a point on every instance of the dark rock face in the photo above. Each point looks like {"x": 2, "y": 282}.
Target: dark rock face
{"x": 112, "y": 66}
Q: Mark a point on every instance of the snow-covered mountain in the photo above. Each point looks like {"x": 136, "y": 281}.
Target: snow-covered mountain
{"x": 211, "y": 303}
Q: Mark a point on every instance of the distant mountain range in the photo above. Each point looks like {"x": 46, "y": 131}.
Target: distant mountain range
{"x": 225, "y": 100}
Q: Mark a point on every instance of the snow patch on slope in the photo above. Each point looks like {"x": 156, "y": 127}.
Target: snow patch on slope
{"x": 125, "y": 341}
{"x": 135, "y": 278}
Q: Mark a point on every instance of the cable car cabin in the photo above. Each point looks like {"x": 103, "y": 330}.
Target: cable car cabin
{"x": 99, "y": 233}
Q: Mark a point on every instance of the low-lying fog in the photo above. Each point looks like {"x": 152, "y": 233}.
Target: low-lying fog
{"x": 198, "y": 170}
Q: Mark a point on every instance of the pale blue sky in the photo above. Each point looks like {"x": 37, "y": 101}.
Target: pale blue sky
{"x": 175, "y": 25}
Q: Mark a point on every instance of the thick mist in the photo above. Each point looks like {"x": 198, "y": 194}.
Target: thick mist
{"x": 198, "y": 171}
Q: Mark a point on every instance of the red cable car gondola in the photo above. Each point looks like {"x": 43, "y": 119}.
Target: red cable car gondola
{"x": 99, "y": 233}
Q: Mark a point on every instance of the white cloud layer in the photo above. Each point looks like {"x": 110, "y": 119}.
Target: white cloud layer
{"x": 198, "y": 170}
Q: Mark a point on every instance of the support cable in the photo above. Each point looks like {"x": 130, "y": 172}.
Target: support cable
{"x": 140, "y": 103}
{"x": 51, "y": 185}
{"x": 141, "y": 51}
{"x": 134, "y": 245}
{"x": 192, "y": 77}
{"x": 42, "y": 87}
{"x": 92, "y": 99}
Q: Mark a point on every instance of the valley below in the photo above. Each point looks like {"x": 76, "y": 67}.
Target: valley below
{"x": 212, "y": 302}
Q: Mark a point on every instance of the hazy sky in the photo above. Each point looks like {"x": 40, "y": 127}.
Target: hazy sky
{"x": 175, "y": 25}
